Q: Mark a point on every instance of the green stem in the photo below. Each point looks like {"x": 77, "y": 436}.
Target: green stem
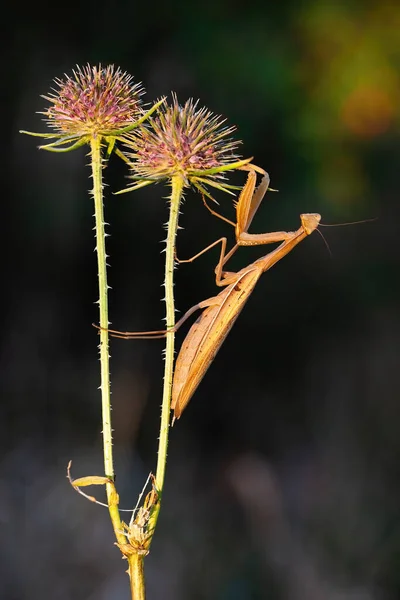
{"x": 177, "y": 184}
{"x": 136, "y": 576}
{"x": 95, "y": 144}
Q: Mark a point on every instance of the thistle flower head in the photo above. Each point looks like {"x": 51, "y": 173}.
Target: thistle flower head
{"x": 183, "y": 140}
{"x": 95, "y": 102}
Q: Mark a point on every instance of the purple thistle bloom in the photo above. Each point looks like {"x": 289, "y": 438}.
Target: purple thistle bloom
{"x": 95, "y": 101}
{"x": 183, "y": 140}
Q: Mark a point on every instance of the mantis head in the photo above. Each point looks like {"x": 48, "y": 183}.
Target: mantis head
{"x": 310, "y": 222}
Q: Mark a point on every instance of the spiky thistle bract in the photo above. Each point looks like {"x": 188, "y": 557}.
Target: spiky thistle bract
{"x": 184, "y": 140}
{"x": 94, "y": 102}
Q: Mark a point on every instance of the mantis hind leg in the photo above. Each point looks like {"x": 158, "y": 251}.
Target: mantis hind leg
{"x": 158, "y": 333}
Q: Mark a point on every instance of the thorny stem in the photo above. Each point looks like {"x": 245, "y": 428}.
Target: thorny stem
{"x": 96, "y": 160}
{"x": 174, "y": 202}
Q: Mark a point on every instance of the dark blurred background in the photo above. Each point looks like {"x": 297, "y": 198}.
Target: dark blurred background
{"x": 283, "y": 473}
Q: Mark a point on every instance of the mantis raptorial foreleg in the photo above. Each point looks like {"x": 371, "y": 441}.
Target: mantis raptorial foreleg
{"x": 248, "y": 202}
{"x": 246, "y": 207}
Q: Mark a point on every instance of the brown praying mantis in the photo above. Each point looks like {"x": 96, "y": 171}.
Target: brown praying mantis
{"x": 220, "y": 312}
